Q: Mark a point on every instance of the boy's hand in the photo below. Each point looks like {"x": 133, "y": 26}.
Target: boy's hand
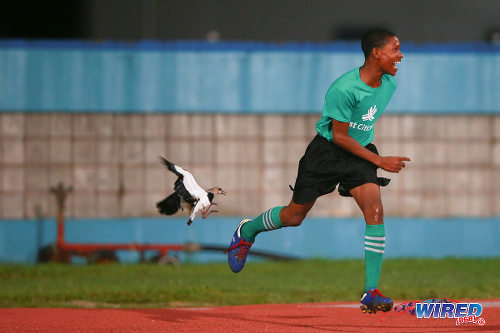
{"x": 392, "y": 163}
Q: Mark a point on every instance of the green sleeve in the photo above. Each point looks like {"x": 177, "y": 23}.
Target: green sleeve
{"x": 339, "y": 105}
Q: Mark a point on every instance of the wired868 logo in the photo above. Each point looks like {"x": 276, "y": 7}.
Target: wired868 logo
{"x": 444, "y": 308}
{"x": 462, "y": 312}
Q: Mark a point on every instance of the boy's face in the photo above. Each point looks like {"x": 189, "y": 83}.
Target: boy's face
{"x": 390, "y": 55}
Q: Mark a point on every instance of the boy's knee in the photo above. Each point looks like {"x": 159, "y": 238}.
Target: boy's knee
{"x": 375, "y": 213}
{"x": 378, "y": 214}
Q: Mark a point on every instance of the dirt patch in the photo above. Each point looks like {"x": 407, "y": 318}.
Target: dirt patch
{"x": 78, "y": 303}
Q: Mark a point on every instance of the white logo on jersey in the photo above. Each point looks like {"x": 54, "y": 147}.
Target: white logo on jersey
{"x": 370, "y": 114}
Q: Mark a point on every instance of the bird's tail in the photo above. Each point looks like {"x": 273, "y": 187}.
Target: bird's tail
{"x": 170, "y": 205}
{"x": 170, "y": 166}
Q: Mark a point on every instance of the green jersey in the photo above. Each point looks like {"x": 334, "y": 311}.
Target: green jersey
{"x": 352, "y": 101}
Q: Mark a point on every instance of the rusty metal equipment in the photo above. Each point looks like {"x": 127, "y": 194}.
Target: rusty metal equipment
{"x": 62, "y": 251}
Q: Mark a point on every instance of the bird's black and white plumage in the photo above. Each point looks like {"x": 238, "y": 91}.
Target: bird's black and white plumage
{"x": 187, "y": 193}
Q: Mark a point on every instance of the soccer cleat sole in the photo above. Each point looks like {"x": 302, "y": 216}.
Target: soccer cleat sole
{"x": 381, "y": 307}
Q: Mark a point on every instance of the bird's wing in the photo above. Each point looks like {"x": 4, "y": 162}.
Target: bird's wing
{"x": 202, "y": 203}
{"x": 183, "y": 184}
{"x": 191, "y": 185}
{"x": 183, "y": 192}
{"x": 171, "y": 166}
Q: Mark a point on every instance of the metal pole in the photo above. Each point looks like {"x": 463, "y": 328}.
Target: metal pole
{"x": 61, "y": 192}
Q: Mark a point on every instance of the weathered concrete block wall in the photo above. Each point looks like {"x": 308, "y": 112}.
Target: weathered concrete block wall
{"x": 111, "y": 160}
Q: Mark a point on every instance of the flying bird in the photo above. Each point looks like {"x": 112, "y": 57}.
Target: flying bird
{"x": 187, "y": 193}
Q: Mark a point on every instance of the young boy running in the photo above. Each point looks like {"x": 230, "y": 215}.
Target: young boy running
{"x": 342, "y": 154}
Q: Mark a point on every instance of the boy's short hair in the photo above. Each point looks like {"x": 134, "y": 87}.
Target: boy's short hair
{"x": 375, "y": 38}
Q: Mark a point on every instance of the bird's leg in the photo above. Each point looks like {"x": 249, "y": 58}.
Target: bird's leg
{"x": 205, "y": 214}
{"x": 207, "y": 211}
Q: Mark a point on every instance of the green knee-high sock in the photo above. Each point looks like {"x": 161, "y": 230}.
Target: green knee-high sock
{"x": 269, "y": 220}
{"x": 374, "y": 253}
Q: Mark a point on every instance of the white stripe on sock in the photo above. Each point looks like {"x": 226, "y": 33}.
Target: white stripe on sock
{"x": 267, "y": 219}
{"x": 271, "y": 219}
{"x": 375, "y": 244}
{"x": 373, "y": 250}
{"x": 374, "y": 238}
{"x": 264, "y": 219}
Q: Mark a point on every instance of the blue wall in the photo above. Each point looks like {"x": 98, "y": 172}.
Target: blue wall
{"x": 317, "y": 237}
{"x": 233, "y": 77}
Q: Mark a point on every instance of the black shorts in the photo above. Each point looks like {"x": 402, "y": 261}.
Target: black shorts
{"x": 325, "y": 165}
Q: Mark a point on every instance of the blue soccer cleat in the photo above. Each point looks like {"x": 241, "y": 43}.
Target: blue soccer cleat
{"x": 238, "y": 249}
{"x": 373, "y": 301}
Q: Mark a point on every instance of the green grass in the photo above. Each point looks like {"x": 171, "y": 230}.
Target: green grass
{"x": 150, "y": 285}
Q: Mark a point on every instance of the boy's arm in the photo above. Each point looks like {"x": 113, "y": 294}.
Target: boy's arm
{"x": 343, "y": 139}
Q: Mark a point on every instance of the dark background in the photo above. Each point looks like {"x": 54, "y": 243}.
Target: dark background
{"x": 265, "y": 20}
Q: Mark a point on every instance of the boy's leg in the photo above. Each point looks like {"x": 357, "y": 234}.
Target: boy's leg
{"x": 276, "y": 218}
{"x": 267, "y": 221}
{"x": 271, "y": 219}
{"x": 368, "y": 198}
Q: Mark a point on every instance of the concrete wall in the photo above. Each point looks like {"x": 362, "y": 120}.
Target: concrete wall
{"x": 111, "y": 160}
{"x": 329, "y": 237}
{"x": 202, "y": 77}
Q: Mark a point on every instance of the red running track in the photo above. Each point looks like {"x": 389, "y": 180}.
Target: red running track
{"x": 312, "y": 317}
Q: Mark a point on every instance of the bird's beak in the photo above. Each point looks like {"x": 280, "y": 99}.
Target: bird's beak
{"x": 222, "y": 192}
